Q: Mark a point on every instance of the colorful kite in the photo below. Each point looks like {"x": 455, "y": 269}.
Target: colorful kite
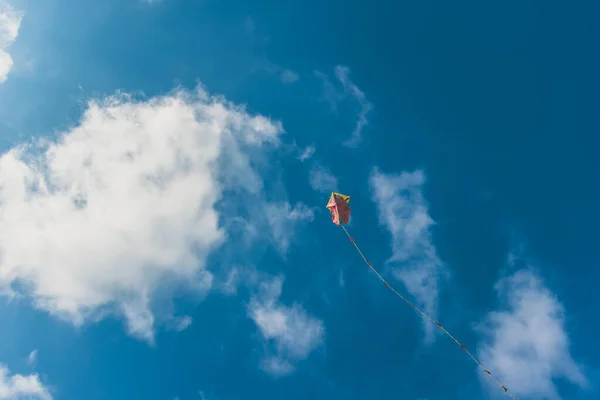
{"x": 339, "y": 206}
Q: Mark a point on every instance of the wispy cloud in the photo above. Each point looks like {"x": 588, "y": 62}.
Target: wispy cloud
{"x": 183, "y": 323}
{"x": 330, "y": 93}
{"x": 525, "y": 343}
{"x": 283, "y": 220}
{"x": 242, "y": 276}
{"x": 32, "y": 357}
{"x": 293, "y": 333}
{"x": 322, "y": 179}
{"x": 95, "y": 220}
{"x": 16, "y": 386}
{"x": 306, "y": 153}
{"x": 10, "y": 22}
{"x": 262, "y": 63}
{"x": 342, "y": 73}
{"x": 285, "y": 75}
{"x": 404, "y": 212}
{"x": 288, "y": 76}
{"x": 332, "y": 96}
{"x": 230, "y": 284}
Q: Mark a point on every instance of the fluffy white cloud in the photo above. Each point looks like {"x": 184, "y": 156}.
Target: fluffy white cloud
{"x": 403, "y": 211}
{"x": 94, "y": 221}
{"x": 21, "y": 387}
{"x": 10, "y": 22}
{"x": 322, "y": 179}
{"x": 525, "y": 344}
{"x": 293, "y": 332}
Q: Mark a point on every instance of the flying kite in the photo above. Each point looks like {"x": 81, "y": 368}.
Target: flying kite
{"x": 339, "y": 207}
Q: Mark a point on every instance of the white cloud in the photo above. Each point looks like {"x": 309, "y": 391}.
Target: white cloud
{"x": 283, "y": 219}
{"x": 93, "y": 222}
{"x": 288, "y": 76}
{"x": 322, "y": 179}
{"x": 293, "y": 332}
{"x": 10, "y": 22}
{"x": 277, "y": 366}
{"x": 403, "y": 211}
{"x": 16, "y": 386}
{"x": 183, "y": 323}
{"x": 242, "y": 276}
{"x": 333, "y": 97}
{"x": 231, "y": 282}
{"x": 285, "y": 75}
{"x": 342, "y": 73}
{"x": 32, "y": 357}
{"x": 525, "y": 345}
{"x": 307, "y": 153}
{"x": 330, "y": 94}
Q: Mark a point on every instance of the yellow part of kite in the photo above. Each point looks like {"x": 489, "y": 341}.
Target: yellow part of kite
{"x": 343, "y": 196}
{"x": 335, "y": 195}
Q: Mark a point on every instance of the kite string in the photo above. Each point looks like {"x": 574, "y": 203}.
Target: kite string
{"x": 487, "y": 372}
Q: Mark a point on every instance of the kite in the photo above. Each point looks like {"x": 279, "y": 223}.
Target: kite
{"x": 339, "y": 206}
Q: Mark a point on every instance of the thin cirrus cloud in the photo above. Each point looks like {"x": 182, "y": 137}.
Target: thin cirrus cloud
{"x": 349, "y": 89}
{"x": 17, "y": 386}
{"x": 291, "y": 331}
{"x": 136, "y": 184}
{"x": 307, "y": 153}
{"x": 182, "y": 323}
{"x": 10, "y": 22}
{"x": 342, "y": 73}
{"x": 283, "y": 220}
{"x": 525, "y": 343}
{"x": 322, "y": 180}
{"x": 288, "y": 76}
{"x": 32, "y": 357}
{"x": 285, "y": 75}
{"x": 262, "y": 63}
{"x": 404, "y": 212}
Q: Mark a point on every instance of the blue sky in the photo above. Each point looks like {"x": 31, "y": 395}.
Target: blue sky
{"x": 165, "y": 165}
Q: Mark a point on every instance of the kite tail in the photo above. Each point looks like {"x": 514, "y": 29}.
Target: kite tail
{"x": 487, "y": 372}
